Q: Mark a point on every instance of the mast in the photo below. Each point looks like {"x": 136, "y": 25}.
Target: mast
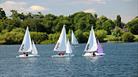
{"x": 61, "y": 43}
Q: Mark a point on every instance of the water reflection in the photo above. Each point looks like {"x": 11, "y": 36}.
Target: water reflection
{"x": 93, "y": 59}
{"x": 63, "y": 67}
{"x": 27, "y": 66}
{"x": 65, "y": 60}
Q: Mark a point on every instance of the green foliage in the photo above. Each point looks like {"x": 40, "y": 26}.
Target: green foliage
{"x": 18, "y": 30}
{"x": 2, "y": 13}
{"x": 2, "y": 40}
{"x": 136, "y": 39}
{"x": 113, "y": 38}
{"x": 133, "y": 25}
{"x": 13, "y": 37}
{"x": 46, "y": 29}
{"x": 128, "y": 37}
{"x": 47, "y": 42}
{"x": 118, "y": 21}
{"x": 101, "y": 34}
{"x": 80, "y": 36}
{"x": 39, "y": 36}
{"x": 108, "y": 25}
{"x": 117, "y": 32}
{"x": 82, "y": 21}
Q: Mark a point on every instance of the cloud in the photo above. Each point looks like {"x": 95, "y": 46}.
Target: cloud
{"x": 11, "y": 5}
{"x": 89, "y": 11}
{"x": 21, "y": 7}
{"x": 93, "y": 1}
{"x": 37, "y": 8}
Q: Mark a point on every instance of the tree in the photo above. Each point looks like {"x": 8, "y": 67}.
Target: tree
{"x": 14, "y": 14}
{"x": 2, "y": 13}
{"x": 118, "y": 21}
{"x": 128, "y": 37}
{"x": 100, "y": 35}
{"x": 108, "y": 25}
{"x": 133, "y": 25}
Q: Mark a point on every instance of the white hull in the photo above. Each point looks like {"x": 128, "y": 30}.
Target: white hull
{"x": 91, "y": 54}
{"x": 28, "y": 55}
{"x": 100, "y": 54}
{"x": 62, "y": 56}
{"x": 88, "y": 54}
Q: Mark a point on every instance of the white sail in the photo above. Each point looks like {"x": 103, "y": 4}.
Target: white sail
{"x": 73, "y": 39}
{"x": 34, "y": 49}
{"x": 26, "y": 45}
{"x": 68, "y": 48}
{"x": 61, "y": 43}
{"x": 91, "y": 44}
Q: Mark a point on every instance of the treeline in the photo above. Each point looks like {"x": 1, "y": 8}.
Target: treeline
{"x": 46, "y": 29}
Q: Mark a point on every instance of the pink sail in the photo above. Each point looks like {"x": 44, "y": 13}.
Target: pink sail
{"x": 99, "y": 49}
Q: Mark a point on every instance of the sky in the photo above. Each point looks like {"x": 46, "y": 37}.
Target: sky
{"x": 127, "y": 9}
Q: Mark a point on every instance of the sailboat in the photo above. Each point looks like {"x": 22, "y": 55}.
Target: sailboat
{"x": 100, "y": 51}
{"x": 27, "y": 48}
{"x": 62, "y": 46}
{"x": 91, "y": 45}
{"x": 74, "y": 41}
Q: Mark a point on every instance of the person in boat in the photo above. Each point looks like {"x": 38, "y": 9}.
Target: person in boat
{"x": 61, "y": 53}
{"x": 26, "y": 54}
{"x": 94, "y": 54}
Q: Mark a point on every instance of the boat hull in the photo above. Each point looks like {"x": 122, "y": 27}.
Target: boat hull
{"x": 27, "y": 56}
{"x": 88, "y": 54}
{"x": 62, "y": 56}
{"x": 91, "y": 54}
{"x": 100, "y": 54}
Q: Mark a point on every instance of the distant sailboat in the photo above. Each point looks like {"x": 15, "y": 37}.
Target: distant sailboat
{"x": 91, "y": 45}
{"x": 63, "y": 46}
{"x": 27, "y": 46}
{"x": 73, "y": 39}
{"x": 99, "y": 49}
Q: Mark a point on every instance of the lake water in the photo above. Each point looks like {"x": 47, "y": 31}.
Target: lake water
{"x": 121, "y": 60}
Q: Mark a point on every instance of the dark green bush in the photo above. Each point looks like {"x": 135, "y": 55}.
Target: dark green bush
{"x": 101, "y": 34}
{"x": 113, "y": 38}
{"x": 128, "y": 37}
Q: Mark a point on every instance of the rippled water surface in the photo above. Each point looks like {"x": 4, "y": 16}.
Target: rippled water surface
{"x": 121, "y": 60}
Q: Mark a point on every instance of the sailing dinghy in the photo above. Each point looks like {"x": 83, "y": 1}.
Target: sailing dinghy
{"x": 74, "y": 40}
{"x": 27, "y": 48}
{"x": 92, "y": 46}
{"x": 62, "y": 46}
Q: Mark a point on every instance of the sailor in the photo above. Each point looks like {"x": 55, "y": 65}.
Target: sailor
{"x": 61, "y": 53}
{"x": 23, "y": 53}
{"x": 94, "y": 54}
